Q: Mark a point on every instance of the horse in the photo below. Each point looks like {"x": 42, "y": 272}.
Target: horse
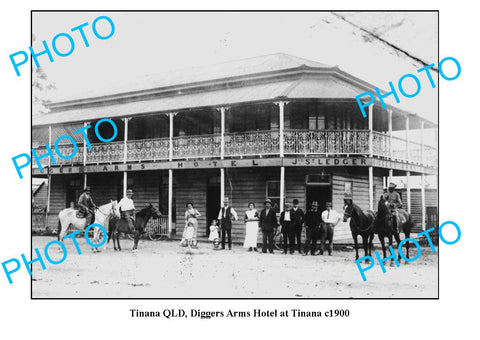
{"x": 117, "y": 225}
{"x": 361, "y": 223}
{"x": 384, "y": 226}
{"x": 68, "y": 218}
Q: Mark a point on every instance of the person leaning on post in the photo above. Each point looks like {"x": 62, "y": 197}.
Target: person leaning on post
{"x": 268, "y": 223}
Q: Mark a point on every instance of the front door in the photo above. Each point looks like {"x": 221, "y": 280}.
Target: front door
{"x": 73, "y": 191}
{"x": 213, "y": 205}
{"x": 320, "y": 193}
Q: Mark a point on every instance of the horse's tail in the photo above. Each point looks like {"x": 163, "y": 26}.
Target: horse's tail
{"x": 410, "y": 223}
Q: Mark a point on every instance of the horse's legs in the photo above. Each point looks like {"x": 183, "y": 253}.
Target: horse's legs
{"x": 118, "y": 240}
{"x": 136, "y": 234}
{"x": 382, "y": 241}
{"x": 365, "y": 244}
{"x": 62, "y": 233}
{"x": 407, "y": 244}
{"x": 390, "y": 243}
{"x": 355, "y": 241}
{"x": 96, "y": 231}
{"x": 114, "y": 240}
{"x": 370, "y": 244}
{"x": 397, "y": 239}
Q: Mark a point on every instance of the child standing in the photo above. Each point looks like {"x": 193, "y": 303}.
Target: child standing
{"x": 189, "y": 233}
{"x": 214, "y": 234}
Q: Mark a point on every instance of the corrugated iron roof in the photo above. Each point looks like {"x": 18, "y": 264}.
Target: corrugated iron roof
{"x": 230, "y": 69}
{"x": 323, "y": 87}
{"x": 255, "y": 79}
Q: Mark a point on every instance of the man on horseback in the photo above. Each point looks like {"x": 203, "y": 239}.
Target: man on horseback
{"x": 394, "y": 202}
{"x": 86, "y": 207}
{"x": 127, "y": 209}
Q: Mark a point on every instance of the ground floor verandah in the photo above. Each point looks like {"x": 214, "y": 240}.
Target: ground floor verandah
{"x": 171, "y": 190}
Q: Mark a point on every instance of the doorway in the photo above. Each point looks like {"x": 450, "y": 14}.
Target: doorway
{"x": 213, "y": 205}
{"x": 320, "y": 193}
{"x": 73, "y": 191}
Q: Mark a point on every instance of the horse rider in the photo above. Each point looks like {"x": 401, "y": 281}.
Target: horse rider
{"x": 127, "y": 209}
{"x": 86, "y": 207}
{"x": 394, "y": 202}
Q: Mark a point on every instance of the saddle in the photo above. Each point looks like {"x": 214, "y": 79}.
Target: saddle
{"x": 81, "y": 214}
{"x": 126, "y": 222}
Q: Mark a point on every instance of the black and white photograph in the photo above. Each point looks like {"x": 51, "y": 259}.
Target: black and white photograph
{"x": 238, "y": 169}
{"x": 227, "y": 160}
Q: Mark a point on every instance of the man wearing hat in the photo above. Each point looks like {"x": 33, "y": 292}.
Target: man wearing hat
{"x": 394, "y": 202}
{"x": 313, "y": 218}
{"x": 300, "y": 216}
{"x": 226, "y": 215}
{"x": 268, "y": 223}
{"x": 127, "y": 209}
{"x": 330, "y": 218}
{"x": 86, "y": 207}
{"x": 288, "y": 221}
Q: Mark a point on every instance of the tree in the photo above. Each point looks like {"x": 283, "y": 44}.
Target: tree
{"x": 40, "y": 87}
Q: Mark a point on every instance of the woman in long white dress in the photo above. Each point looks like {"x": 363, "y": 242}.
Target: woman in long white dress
{"x": 251, "y": 228}
{"x": 191, "y": 216}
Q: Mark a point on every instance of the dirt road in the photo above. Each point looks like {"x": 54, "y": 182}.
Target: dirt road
{"x": 165, "y": 270}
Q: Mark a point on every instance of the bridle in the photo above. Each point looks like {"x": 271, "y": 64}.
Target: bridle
{"x": 348, "y": 210}
{"x": 111, "y": 212}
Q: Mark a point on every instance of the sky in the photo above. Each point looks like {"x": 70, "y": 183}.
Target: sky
{"x": 146, "y": 43}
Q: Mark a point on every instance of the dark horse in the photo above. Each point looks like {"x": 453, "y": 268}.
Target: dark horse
{"x": 361, "y": 223}
{"x": 384, "y": 226}
{"x": 117, "y": 226}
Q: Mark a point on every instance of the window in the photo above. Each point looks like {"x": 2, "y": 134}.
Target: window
{"x": 273, "y": 193}
{"x": 214, "y": 180}
{"x": 318, "y": 179}
{"x": 348, "y": 188}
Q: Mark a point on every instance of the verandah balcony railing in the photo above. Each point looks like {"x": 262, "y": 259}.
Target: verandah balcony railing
{"x": 253, "y": 143}
{"x": 308, "y": 142}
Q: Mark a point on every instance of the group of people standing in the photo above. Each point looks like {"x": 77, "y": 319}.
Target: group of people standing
{"x": 318, "y": 226}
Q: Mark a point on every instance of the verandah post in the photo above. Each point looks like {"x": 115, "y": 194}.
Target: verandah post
{"x": 422, "y": 183}
{"x": 281, "y": 113}
{"x": 171, "y": 115}
{"x": 49, "y": 178}
{"x": 407, "y": 128}
{"x": 222, "y": 154}
{"x": 370, "y": 152}
{"x": 125, "y": 154}
{"x": 85, "y": 157}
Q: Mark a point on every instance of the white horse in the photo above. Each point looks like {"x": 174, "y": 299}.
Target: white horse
{"x": 68, "y": 218}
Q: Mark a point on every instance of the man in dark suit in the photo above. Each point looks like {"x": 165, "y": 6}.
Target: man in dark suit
{"x": 300, "y": 216}
{"x": 288, "y": 221}
{"x": 226, "y": 215}
{"x": 268, "y": 223}
{"x": 313, "y": 218}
